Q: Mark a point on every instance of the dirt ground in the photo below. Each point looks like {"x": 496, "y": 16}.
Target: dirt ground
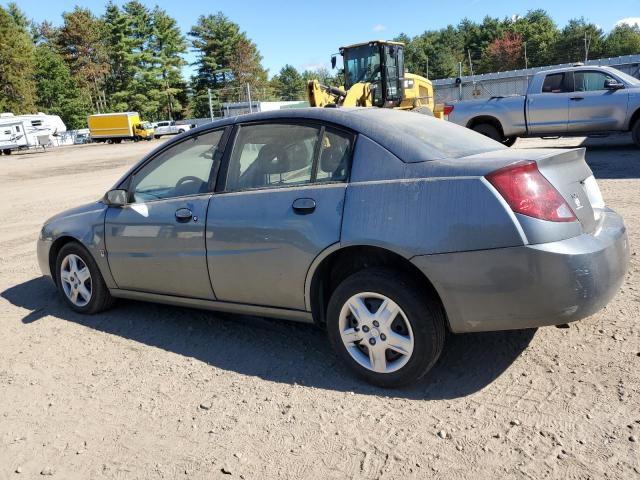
{"x": 146, "y": 391}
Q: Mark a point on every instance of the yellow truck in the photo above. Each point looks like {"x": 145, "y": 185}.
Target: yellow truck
{"x": 115, "y": 127}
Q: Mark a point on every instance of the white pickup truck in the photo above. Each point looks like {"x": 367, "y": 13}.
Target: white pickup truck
{"x": 169, "y": 127}
{"x": 575, "y": 101}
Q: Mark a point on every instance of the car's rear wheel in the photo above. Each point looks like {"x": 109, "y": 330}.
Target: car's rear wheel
{"x": 385, "y": 327}
{"x": 489, "y": 130}
{"x": 635, "y": 132}
{"x": 79, "y": 280}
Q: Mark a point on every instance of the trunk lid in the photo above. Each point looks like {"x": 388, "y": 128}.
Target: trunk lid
{"x": 569, "y": 173}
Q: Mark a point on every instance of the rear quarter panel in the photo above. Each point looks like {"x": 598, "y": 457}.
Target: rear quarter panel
{"x": 423, "y": 208}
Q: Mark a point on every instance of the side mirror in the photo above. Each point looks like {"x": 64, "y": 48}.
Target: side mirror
{"x": 115, "y": 198}
{"x": 611, "y": 84}
{"x": 333, "y": 61}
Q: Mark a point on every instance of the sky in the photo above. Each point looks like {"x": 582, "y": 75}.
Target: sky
{"x": 305, "y": 34}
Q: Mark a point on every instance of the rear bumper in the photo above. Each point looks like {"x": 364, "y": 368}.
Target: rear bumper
{"x": 534, "y": 285}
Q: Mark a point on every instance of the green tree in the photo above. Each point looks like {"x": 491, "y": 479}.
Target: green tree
{"x": 119, "y": 82}
{"x": 570, "y": 45}
{"x": 540, "y": 33}
{"x": 81, "y": 43}
{"x": 224, "y": 58}
{"x": 168, "y": 45}
{"x": 622, "y": 40}
{"x": 17, "y": 65}
{"x": 288, "y": 84}
{"x": 57, "y": 91}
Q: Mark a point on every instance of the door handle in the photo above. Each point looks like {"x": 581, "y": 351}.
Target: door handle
{"x": 304, "y": 206}
{"x": 183, "y": 215}
{"x": 576, "y": 99}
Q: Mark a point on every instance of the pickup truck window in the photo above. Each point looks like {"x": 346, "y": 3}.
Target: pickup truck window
{"x": 590, "y": 81}
{"x": 555, "y": 83}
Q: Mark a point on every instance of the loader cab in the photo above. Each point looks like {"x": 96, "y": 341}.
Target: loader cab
{"x": 379, "y": 63}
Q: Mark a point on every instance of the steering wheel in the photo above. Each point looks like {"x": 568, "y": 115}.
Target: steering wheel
{"x": 187, "y": 179}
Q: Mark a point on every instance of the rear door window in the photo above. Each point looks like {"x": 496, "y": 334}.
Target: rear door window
{"x": 556, "y": 83}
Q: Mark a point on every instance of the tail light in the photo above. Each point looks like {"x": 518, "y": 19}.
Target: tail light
{"x": 528, "y": 192}
{"x": 448, "y": 109}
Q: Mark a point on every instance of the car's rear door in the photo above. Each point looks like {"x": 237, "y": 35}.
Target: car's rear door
{"x": 156, "y": 243}
{"x": 279, "y": 205}
{"x": 592, "y": 107}
{"x": 548, "y": 110}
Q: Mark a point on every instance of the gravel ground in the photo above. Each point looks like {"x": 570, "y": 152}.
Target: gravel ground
{"x": 146, "y": 391}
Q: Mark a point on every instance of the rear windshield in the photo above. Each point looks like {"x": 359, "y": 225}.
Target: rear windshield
{"x": 442, "y": 139}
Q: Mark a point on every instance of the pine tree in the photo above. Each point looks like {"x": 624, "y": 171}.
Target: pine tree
{"x": 225, "y": 58}
{"x": 57, "y": 91}
{"x": 81, "y": 43}
{"x": 17, "y": 65}
{"x": 288, "y": 84}
{"x": 168, "y": 45}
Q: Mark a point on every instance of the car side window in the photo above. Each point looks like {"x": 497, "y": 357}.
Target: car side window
{"x": 184, "y": 169}
{"x": 271, "y": 155}
{"x": 555, "y": 83}
{"x": 591, "y": 81}
{"x": 335, "y": 156}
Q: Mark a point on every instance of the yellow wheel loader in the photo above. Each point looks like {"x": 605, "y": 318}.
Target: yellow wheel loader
{"x": 374, "y": 76}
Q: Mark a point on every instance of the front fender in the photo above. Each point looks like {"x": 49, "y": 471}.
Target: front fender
{"x": 84, "y": 224}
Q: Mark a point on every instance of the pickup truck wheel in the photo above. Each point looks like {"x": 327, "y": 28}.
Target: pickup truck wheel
{"x": 385, "y": 327}
{"x": 6, "y": 151}
{"x": 509, "y": 141}
{"x": 488, "y": 130}
{"x": 156, "y": 136}
{"x": 181, "y": 131}
{"x": 635, "y": 131}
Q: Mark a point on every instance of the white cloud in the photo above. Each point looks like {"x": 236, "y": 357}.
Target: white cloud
{"x": 629, "y": 21}
{"x": 379, "y": 28}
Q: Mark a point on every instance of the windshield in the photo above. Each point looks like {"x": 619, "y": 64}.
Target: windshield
{"x": 361, "y": 64}
{"x": 147, "y": 125}
{"x": 627, "y": 78}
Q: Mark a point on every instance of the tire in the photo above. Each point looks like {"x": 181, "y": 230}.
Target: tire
{"x": 6, "y": 151}
{"x": 99, "y": 298}
{"x": 180, "y": 131}
{"x": 509, "y": 141}
{"x": 156, "y": 136}
{"x": 635, "y": 132}
{"x": 489, "y": 130}
{"x": 420, "y": 324}
{"x": 424, "y": 111}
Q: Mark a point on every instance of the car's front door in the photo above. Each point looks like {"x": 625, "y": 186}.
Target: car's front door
{"x": 548, "y": 111}
{"x": 156, "y": 243}
{"x": 594, "y": 108}
{"x": 281, "y": 205}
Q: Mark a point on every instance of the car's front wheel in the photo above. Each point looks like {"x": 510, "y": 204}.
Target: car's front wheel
{"x": 79, "y": 280}
{"x": 386, "y": 327}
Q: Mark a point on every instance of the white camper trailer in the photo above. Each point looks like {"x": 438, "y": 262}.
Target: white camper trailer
{"x": 19, "y": 132}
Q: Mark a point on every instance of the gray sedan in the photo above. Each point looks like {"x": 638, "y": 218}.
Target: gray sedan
{"x": 387, "y": 228}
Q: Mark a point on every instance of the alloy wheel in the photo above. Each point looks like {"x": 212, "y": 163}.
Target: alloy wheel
{"x": 76, "y": 280}
{"x": 376, "y": 332}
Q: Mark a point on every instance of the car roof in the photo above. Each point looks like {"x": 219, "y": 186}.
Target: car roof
{"x": 578, "y": 68}
{"x": 379, "y": 124}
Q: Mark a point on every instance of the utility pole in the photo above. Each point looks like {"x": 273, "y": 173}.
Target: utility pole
{"x": 459, "y": 80}
{"x": 210, "y": 104}
{"x": 427, "y": 68}
{"x": 526, "y": 60}
{"x": 249, "y": 97}
{"x": 586, "y": 47}
{"x": 470, "y": 64}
